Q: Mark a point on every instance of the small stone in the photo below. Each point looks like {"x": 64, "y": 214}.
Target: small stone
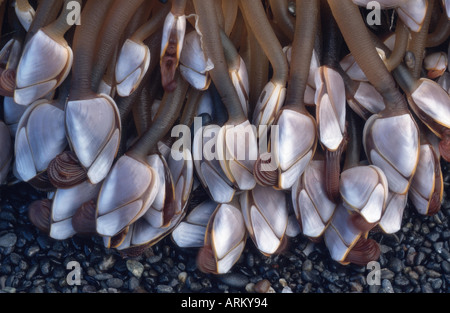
{"x": 31, "y": 251}
{"x": 385, "y": 249}
{"x": 445, "y": 265}
{"x": 283, "y": 282}
{"x": 436, "y": 283}
{"x": 432, "y": 274}
{"x": 433, "y": 236}
{"x": 164, "y": 289}
{"x": 396, "y": 265}
{"x": 133, "y": 283}
{"x": 438, "y": 246}
{"x": 262, "y": 286}
{"x": 182, "y": 277}
{"x": 103, "y": 276}
{"x": 387, "y": 274}
{"x": 426, "y": 288}
{"x": 356, "y": 287}
{"x": 154, "y": 259}
{"x": 413, "y": 275}
{"x": 387, "y": 286}
{"x": 8, "y": 289}
{"x": 136, "y": 268}
{"x": 250, "y": 287}
{"x": 307, "y": 266}
{"x": 114, "y": 283}
{"x": 311, "y": 277}
{"x": 401, "y": 280}
{"x": 286, "y": 289}
{"x": 420, "y": 257}
{"x": 107, "y": 263}
{"x": 235, "y": 280}
{"x": 8, "y": 240}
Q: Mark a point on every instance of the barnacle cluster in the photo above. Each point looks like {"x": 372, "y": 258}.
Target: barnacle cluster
{"x": 319, "y": 118}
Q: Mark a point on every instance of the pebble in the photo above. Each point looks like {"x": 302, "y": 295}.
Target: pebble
{"x": 164, "y": 289}
{"x": 136, "y": 268}
{"x": 387, "y": 286}
{"x": 107, "y": 263}
{"x": 401, "y": 280}
{"x": 235, "y": 280}
{"x": 262, "y": 286}
{"x": 114, "y": 283}
{"x": 396, "y": 265}
{"x": 8, "y": 240}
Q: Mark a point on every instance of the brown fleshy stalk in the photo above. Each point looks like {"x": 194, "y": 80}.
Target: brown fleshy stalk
{"x": 419, "y": 41}
{"x": 363, "y": 252}
{"x": 39, "y": 214}
{"x": 206, "y": 261}
{"x": 66, "y": 171}
{"x": 83, "y": 220}
{"x": 264, "y": 174}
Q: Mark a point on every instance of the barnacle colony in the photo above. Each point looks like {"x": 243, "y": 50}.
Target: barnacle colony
{"x": 279, "y": 111}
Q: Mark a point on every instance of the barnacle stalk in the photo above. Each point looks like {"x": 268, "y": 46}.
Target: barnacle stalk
{"x": 132, "y": 175}
{"x": 92, "y": 120}
{"x": 288, "y": 153}
{"x": 273, "y": 96}
{"x": 236, "y": 142}
{"x": 396, "y": 153}
{"x": 419, "y": 40}
{"x": 330, "y": 102}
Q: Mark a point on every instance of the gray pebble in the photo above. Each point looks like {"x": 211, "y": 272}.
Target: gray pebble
{"x": 235, "y": 280}
{"x": 133, "y": 284}
{"x": 401, "y": 280}
{"x": 426, "y": 288}
{"x": 8, "y": 240}
{"x": 396, "y": 265}
{"x": 107, "y": 263}
{"x": 433, "y": 236}
{"x": 432, "y": 273}
{"x": 114, "y": 283}
{"x": 387, "y": 274}
{"x": 445, "y": 265}
{"x": 136, "y": 268}
{"x": 307, "y": 265}
{"x": 387, "y": 286}
{"x": 103, "y": 276}
{"x": 420, "y": 257}
{"x": 164, "y": 289}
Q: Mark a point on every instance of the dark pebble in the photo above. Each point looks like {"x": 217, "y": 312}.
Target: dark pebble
{"x": 8, "y": 240}
{"x": 164, "y": 289}
{"x": 420, "y": 257}
{"x": 114, "y": 283}
{"x": 45, "y": 267}
{"x": 235, "y": 280}
{"x": 44, "y": 242}
{"x": 396, "y": 265}
{"x": 426, "y": 288}
{"x": 401, "y": 280}
{"x": 311, "y": 277}
{"x": 433, "y": 236}
{"x": 445, "y": 265}
{"x": 32, "y": 271}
